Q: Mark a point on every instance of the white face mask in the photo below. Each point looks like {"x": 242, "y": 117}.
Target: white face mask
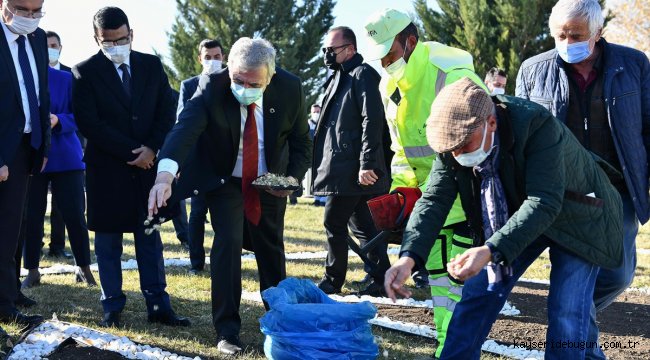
{"x": 22, "y": 25}
{"x": 397, "y": 69}
{"x": 314, "y": 117}
{"x": 53, "y": 55}
{"x": 498, "y": 91}
{"x": 117, "y": 54}
{"x": 477, "y": 156}
{"x": 210, "y": 66}
{"x": 244, "y": 95}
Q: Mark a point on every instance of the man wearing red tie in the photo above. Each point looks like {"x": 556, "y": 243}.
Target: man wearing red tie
{"x": 243, "y": 121}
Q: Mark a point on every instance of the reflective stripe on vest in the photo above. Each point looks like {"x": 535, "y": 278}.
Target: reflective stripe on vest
{"x": 418, "y": 151}
{"x": 455, "y": 289}
{"x": 451, "y": 305}
{"x": 440, "y": 81}
{"x": 441, "y": 281}
{"x": 440, "y": 301}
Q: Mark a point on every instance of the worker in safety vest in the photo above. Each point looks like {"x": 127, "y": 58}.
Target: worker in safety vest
{"x": 415, "y": 72}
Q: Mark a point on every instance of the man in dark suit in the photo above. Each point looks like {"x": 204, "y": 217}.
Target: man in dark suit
{"x": 229, "y": 133}
{"x": 210, "y": 57}
{"x": 24, "y": 134}
{"x": 57, "y": 233}
{"x": 123, "y": 105}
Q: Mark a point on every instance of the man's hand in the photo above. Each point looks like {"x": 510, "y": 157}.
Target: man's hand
{"x": 145, "y": 158}
{"x": 54, "y": 120}
{"x": 4, "y": 173}
{"x": 160, "y": 192}
{"x": 367, "y": 177}
{"x": 470, "y": 263}
{"x": 396, "y": 276}
{"x": 44, "y": 164}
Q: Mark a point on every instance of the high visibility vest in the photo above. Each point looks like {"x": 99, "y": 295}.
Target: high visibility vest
{"x": 431, "y": 66}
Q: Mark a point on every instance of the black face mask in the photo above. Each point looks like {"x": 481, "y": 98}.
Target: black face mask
{"x": 330, "y": 61}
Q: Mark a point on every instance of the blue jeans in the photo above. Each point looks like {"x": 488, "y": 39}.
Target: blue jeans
{"x": 569, "y": 303}
{"x": 151, "y": 267}
{"x": 612, "y": 282}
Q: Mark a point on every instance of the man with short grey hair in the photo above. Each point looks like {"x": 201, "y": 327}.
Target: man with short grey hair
{"x": 244, "y": 121}
{"x": 601, "y": 91}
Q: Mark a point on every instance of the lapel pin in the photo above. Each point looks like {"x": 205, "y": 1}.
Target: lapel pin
{"x": 272, "y": 110}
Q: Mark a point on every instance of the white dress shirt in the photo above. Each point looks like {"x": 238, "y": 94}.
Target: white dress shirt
{"x": 13, "y": 47}
{"x": 171, "y": 166}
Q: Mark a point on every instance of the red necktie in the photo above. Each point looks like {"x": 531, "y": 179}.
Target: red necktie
{"x": 252, "y": 208}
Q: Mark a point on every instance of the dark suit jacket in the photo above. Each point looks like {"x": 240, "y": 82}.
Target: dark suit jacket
{"x": 114, "y": 125}
{"x": 212, "y": 117}
{"x": 12, "y": 116}
{"x": 188, "y": 88}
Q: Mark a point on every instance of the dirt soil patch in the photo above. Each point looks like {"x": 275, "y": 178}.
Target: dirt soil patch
{"x": 624, "y": 329}
{"x": 75, "y": 351}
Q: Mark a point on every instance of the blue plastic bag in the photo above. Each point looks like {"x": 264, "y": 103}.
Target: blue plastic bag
{"x": 304, "y": 323}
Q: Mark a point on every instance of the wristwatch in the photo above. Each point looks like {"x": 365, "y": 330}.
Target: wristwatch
{"x": 497, "y": 257}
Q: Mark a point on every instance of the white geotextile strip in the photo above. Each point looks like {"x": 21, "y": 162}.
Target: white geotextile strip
{"x": 44, "y": 339}
{"x": 132, "y": 264}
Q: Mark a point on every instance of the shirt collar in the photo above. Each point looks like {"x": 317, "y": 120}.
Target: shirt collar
{"x": 127, "y": 62}
{"x": 11, "y": 37}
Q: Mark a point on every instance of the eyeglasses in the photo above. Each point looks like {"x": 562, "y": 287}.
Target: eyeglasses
{"x": 119, "y": 42}
{"x": 332, "y": 49}
{"x": 25, "y": 13}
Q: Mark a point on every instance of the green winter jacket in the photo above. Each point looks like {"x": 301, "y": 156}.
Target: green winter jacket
{"x": 554, "y": 187}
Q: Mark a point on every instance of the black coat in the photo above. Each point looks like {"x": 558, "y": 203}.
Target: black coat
{"x": 349, "y": 132}
{"x": 12, "y": 117}
{"x": 205, "y": 140}
{"x": 114, "y": 125}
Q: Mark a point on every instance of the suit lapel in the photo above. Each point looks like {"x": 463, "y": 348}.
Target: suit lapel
{"x": 5, "y": 56}
{"x": 112, "y": 79}
{"x": 231, "y": 108}
{"x": 271, "y": 109}
{"x": 138, "y": 79}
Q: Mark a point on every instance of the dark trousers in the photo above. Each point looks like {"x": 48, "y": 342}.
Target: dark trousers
{"x": 231, "y": 230}
{"x": 151, "y": 267}
{"x": 352, "y": 211}
{"x": 196, "y": 231}
{"x": 12, "y": 200}
{"x": 180, "y": 223}
{"x": 68, "y": 190}
{"x": 57, "y": 225}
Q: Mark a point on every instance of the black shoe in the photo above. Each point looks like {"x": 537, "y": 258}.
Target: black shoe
{"x": 111, "y": 319}
{"x": 24, "y": 301}
{"x": 421, "y": 279}
{"x": 328, "y": 288}
{"x": 168, "y": 318}
{"x": 375, "y": 289}
{"x": 195, "y": 271}
{"x": 20, "y": 318}
{"x": 365, "y": 281}
{"x": 229, "y": 345}
{"x": 59, "y": 253}
{"x": 185, "y": 245}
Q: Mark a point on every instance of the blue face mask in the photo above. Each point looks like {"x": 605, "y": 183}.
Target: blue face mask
{"x": 246, "y": 96}
{"x": 573, "y": 53}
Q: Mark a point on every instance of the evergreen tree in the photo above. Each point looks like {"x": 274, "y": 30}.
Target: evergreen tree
{"x": 500, "y": 33}
{"x": 295, "y": 28}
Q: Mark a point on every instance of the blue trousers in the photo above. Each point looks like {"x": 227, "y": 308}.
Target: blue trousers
{"x": 196, "y": 231}
{"x": 612, "y": 282}
{"x": 569, "y": 304}
{"x": 148, "y": 253}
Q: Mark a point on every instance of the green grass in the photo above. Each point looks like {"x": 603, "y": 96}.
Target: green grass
{"x": 191, "y": 294}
